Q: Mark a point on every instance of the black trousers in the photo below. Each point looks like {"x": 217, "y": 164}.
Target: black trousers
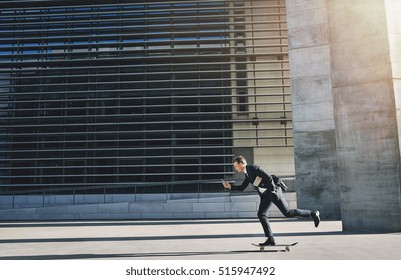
{"x": 278, "y": 199}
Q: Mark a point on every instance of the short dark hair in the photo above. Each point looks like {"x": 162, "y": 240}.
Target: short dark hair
{"x": 239, "y": 159}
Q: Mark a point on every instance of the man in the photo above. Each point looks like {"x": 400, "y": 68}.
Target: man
{"x": 268, "y": 193}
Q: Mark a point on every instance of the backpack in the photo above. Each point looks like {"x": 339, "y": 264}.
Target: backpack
{"x": 277, "y": 181}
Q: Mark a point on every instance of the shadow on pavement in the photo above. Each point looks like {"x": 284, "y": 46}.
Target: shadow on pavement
{"x": 134, "y": 255}
{"x": 156, "y": 238}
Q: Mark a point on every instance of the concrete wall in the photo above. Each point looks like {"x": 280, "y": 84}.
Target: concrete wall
{"x": 312, "y": 106}
{"x": 366, "y": 121}
{"x": 345, "y": 64}
{"x": 135, "y": 207}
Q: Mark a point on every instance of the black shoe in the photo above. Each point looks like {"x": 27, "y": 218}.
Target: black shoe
{"x": 268, "y": 242}
{"x": 316, "y": 218}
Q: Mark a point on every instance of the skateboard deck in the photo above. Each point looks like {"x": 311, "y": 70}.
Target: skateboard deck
{"x": 287, "y": 246}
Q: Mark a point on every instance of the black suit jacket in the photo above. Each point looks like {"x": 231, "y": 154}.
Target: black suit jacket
{"x": 253, "y": 171}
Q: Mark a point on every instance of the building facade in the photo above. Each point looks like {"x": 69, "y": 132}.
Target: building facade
{"x": 118, "y": 93}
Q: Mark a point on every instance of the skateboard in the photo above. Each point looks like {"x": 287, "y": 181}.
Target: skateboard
{"x": 287, "y": 246}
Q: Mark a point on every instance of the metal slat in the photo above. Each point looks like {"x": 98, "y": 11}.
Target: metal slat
{"x": 222, "y": 65}
{"x": 144, "y": 66}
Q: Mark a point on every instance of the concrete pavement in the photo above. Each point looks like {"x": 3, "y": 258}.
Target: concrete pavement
{"x": 189, "y": 239}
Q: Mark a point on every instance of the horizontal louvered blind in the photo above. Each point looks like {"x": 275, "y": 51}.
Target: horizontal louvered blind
{"x": 117, "y": 92}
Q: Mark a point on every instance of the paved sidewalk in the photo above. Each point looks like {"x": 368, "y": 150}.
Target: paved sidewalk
{"x": 189, "y": 239}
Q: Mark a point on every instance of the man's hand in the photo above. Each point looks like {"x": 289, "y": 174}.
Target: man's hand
{"x": 226, "y": 184}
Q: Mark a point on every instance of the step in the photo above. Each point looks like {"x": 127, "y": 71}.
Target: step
{"x": 205, "y": 206}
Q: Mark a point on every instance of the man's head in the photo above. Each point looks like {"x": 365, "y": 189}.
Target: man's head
{"x": 239, "y": 163}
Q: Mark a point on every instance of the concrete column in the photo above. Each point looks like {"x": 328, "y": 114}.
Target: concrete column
{"x": 393, "y": 19}
{"x": 312, "y": 107}
{"x": 365, "y": 77}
